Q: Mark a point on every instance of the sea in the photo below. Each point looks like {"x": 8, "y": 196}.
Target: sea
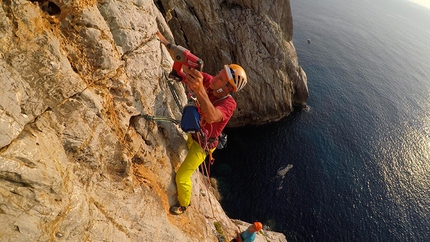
{"x": 355, "y": 164}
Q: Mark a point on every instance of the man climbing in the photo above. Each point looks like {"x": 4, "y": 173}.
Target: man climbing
{"x": 216, "y": 108}
{"x": 249, "y": 234}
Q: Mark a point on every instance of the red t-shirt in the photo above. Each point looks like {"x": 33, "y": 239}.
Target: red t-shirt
{"x": 226, "y": 105}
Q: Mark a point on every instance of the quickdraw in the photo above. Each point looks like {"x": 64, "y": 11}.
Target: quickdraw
{"x": 164, "y": 119}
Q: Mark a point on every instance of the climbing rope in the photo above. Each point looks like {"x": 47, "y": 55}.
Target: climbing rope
{"x": 204, "y": 169}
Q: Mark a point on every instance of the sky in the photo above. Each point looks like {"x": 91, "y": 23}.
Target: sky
{"x": 425, "y": 3}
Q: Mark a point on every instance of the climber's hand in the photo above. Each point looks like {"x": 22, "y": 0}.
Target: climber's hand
{"x": 194, "y": 79}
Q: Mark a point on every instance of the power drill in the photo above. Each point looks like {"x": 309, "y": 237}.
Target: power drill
{"x": 182, "y": 56}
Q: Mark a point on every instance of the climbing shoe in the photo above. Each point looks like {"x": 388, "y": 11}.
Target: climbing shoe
{"x": 177, "y": 210}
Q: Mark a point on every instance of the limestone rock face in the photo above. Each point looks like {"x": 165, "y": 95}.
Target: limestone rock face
{"x": 255, "y": 34}
{"x": 78, "y": 159}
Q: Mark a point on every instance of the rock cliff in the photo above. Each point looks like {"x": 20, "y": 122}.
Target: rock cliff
{"x": 78, "y": 160}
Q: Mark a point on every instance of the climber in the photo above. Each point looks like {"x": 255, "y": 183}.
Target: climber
{"x": 249, "y": 234}
{"x": 216, "y": 108}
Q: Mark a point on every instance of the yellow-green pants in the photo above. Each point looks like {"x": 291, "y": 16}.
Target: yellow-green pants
{"x": 196, "y": 155}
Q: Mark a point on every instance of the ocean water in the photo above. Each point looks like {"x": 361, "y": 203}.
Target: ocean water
{"x": 355, "y": 165}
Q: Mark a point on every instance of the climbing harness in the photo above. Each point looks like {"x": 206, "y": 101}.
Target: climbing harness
{"x": 209, "y": 144}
